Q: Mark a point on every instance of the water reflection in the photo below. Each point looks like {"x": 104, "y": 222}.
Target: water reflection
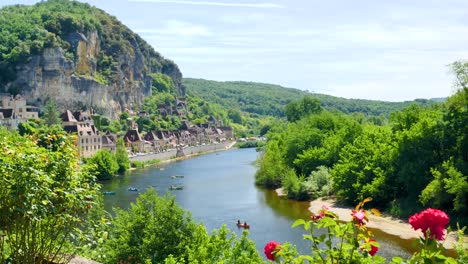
{"x": 219, "y": 189}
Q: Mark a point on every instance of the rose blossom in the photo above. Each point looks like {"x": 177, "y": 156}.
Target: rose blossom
{"x": 270, "y": 248}
{"x": 374, "y": 249}
{"x": 430, "y": 219}
{"x": 358, "y": 216}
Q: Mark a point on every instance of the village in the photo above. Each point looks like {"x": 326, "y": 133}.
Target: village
{"x": 14, "y": 110}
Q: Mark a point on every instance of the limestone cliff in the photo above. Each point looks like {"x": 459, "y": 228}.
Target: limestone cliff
{"x": 86, "y": 59}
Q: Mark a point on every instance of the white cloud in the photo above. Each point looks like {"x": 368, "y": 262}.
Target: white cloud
{"x": 208, "y": 3}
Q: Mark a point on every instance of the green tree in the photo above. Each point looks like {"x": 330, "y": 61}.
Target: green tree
{"x": 45, "y": 196}
{"x": 121, "y": 156}
{"x": 162, "y": 83}
{"x": 152, "y": 229}
{"x": 27, "y": 128}
{"x": 306, "y": 106}
{"x": 235, "y": 115}
{"x": 51, "y": 113}
{"x": 103, "y": 165}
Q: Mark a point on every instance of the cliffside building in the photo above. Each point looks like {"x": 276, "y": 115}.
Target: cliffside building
{"x": 14, "y": 110}
{"x": 80, "y": 123}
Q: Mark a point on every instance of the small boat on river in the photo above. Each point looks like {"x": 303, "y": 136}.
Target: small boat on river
{"x": 177, "y": 176}
{"x": 108, "y": 193}
{"x": 175, "y": 187}
{"x": 244, "y": 225}
{"x": 132, "y": 189}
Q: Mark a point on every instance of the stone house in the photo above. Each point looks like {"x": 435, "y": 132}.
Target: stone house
{"x": 20, "y": 107}
{"x": 156, "y": 142}
{"x": 89, "y": 139}
{"x": 228, "y": 132}
{"x": 8, "y": 119}
{"x": 134, "y": 141}
{"x": 109, "y": 142}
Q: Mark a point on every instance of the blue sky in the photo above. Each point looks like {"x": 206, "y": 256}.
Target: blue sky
{"x": 385, "y": 50}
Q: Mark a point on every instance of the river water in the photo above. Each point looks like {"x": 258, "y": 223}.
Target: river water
{"x": 219, "y": 189}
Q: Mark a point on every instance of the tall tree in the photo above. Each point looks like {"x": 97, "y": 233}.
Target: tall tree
{"x": 51, "y": 113}
{"x": 121, "y": 156}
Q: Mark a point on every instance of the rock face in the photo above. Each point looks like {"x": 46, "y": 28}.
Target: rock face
{"x": 74, "y": 82}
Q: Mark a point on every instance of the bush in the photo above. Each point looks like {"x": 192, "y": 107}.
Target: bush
{"x": 44, "y": 199}
{"x": 103, "y": 165}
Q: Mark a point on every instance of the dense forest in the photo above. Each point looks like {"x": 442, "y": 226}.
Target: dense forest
{"x": 269, "y": 99}
{"x": 419, "y": 159}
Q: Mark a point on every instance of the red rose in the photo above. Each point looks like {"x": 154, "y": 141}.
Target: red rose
{"x": 374, "y": 248}
{"x": 430, "y": 219}
{"x": 271, "y": 248}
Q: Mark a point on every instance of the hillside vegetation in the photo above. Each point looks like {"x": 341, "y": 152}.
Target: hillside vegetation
{"x": 420, "y": 158}
{"x": 26, "y": 31}
{"x": 270, "y": 99}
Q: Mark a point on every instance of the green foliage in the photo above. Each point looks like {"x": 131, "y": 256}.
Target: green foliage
{"x": 268, "y": 99}
{"x": 420, "y": 156}
{"x": 365, "y": 166}
{"x": 153, "y": 228}
{"x": 156, "y": 229}
{"x": 27, "y": 128}
{"x": 271, "y": 167}
{"x": 103, "y": 164}
{"x": 250, "y": 144}
{"x": 44, "y": 198}
{"x": 51, "y": 113}
{"x": 27, "y": 30}
{"x": 306, "y": 106}
{"x": 121, "y": 156}
{"x": 235, "y": 115}
{"x": 162, "y": 83}
{"x": 222, "y": 247}
{"x": 319, "y": 183}
{"x": 294, "y": 186}
{"x": 351, "y": 242}
{"x": 347, "y": 242}
{"x": 449, "y": 188}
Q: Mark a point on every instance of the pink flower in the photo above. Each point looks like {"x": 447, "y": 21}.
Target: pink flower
{"x": 316, "y": 217}
{"x": 325, "y": 207}
{"x": 359, "y": 216}
{"x": 430, "y": 219}
{"x": 271, "y": 248}
{"x": 373, "y": 248}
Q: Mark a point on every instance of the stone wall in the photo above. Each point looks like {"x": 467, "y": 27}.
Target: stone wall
{"x": 189, "y": 151}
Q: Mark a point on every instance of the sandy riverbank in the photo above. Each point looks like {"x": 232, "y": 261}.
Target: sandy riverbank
{"x": 387, "y": 224}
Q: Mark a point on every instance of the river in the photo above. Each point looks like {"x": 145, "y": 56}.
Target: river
{"x": 219, "y": 189}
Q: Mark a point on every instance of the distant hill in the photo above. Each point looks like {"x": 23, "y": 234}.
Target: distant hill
{"x": 270, "y": 99}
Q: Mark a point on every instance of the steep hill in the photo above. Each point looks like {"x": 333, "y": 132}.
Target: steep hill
{"x": 79, "y": 55}
{"x": 270, "y": 99}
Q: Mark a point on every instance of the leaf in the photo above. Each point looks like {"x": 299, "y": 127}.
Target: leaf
{"x": 376, "y": 212}
{"x": 298, "y": 222}
{"x": 397, "y": 259}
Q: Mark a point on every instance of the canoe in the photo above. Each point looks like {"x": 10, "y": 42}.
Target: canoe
{"x": 108, "y": 193}
{"x": 132, "y": 189}
{"x": 173, "y": 187}
{"x": 243, "y": 226}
